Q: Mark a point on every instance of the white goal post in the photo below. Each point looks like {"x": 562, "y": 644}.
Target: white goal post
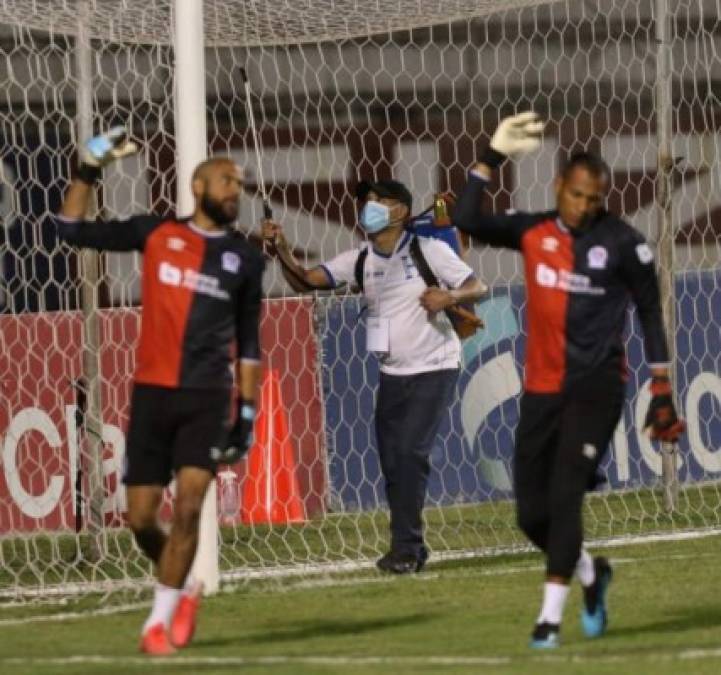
{"x": 340, "y": 90}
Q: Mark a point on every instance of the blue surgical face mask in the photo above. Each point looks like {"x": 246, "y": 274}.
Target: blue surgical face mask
{"x": 375, "y": 217}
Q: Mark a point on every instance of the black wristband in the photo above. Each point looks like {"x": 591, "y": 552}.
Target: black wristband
{"x": 492, "y": 158}
{"x": 88, "y": 174}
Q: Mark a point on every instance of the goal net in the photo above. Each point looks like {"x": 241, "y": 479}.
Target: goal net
{"x": 341, "y": 90}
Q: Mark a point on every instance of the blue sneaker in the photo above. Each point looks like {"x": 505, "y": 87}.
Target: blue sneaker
{"x": 594, "y": 615}
{"x": 545, "y": 636}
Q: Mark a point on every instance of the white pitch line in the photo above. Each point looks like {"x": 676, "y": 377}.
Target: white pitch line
{"x": 245, "y": 575}
{"x": 350, "y": 661}
{"x": 69, "y": 616}
{"x": 690, "y": 654}
{"x": 636, "y": 540}
{"x": 259, "y": 660}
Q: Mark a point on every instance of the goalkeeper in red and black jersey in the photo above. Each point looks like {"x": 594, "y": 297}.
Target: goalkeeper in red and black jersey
{"x": 582, "y": 267}
{"x": 201, "y": 297}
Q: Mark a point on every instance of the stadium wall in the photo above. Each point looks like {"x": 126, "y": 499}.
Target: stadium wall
{"x": 40, "y": 363}
{"x": 473, "y": 461}
{"x": 328, "y": 387}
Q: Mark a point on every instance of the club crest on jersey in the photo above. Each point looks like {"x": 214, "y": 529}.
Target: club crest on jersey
{"x": 230, "y": 262}
{"x": 644, "y": 253}
{"x": 597, "y": 258}
{"x": 549, "y": 244}
{"x": 176, "y": 243}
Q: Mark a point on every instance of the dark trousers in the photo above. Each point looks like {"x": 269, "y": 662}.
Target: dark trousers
{"x": 560, "y": 441}
{"x": 408, "y": 412}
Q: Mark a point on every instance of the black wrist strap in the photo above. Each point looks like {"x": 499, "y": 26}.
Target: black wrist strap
{"x": 88, "y": 174}
{"x": 491, "y": 158}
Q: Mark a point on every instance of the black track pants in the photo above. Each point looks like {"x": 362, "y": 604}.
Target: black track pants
{"x": 560, "y": 441}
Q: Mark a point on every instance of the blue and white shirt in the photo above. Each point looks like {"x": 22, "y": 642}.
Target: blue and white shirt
{"x": 393, "y": 288}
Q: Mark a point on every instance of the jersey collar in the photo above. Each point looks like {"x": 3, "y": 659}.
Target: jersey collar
{"x": 582, "y": 229}
{"x": 206, "y": 233}
{"x": 402, "y": 241}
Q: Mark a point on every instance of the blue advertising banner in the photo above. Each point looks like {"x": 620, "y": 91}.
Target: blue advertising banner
{"x": 473, "y": 454}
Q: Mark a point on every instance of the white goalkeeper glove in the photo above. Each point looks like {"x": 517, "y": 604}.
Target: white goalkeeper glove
{"x": 515, "y": 136}
{"x": 100, "y": 150}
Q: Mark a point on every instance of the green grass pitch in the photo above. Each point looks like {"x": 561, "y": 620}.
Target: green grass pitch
{"x": 471, "y": 616}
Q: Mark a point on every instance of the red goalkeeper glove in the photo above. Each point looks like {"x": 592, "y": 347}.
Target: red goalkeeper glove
{"x": 661, "y": 417}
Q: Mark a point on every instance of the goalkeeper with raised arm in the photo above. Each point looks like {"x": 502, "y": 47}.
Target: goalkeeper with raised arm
{"x": 201, "y": 293}
{"x": 408, "y": 282}
{"x": 582, "y": 267}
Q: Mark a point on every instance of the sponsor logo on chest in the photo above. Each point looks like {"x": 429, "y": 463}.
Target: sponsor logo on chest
{"x": 563, "y": 280}
{"x": 392, "y": 272}
{"x": 203, "y": 284}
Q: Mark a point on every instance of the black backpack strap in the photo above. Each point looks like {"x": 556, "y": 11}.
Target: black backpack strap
{"x": 462, "y": 326}
{"x": 358, "y": 270}
{"x": 421, "y": 263}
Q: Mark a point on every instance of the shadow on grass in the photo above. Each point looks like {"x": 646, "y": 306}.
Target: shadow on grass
{"x": 529, "y": 558}
{"x": 303, "y": 630}
{"x": 683, "y": 619}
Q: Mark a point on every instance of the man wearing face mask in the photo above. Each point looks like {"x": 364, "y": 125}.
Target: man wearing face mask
{"x": 201, "y": 294}
{"x": 582, "y": 267}
{"x": 407, "y": 329}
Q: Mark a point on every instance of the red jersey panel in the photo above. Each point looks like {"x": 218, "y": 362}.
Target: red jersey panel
{"x": 173, "y": 252}
{"x": 201, "y": 296}
{"x": 548, "y": 258}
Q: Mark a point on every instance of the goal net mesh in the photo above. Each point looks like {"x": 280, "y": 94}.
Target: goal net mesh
{"x": 341, "y": 90}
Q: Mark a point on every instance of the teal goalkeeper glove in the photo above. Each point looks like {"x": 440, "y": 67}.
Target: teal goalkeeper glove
{"x": 100, "y": 150}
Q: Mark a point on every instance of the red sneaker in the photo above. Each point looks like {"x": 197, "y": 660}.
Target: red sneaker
{"x": 155, "y": 641}
{"x": 182, "y": 626}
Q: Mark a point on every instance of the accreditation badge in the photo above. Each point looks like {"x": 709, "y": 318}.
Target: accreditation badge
{"x": 378, "y": 334}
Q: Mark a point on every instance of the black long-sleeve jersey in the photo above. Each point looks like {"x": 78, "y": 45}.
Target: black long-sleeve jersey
{"x": 579, "y": 283}
{"x": 201, "y": 292}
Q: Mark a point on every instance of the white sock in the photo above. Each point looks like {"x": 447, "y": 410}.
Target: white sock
{"x": 585, "y": 571}
{"x": 554, "y": 599}
{"x": 191, "y": 586}
{"x": 164, "y": 604}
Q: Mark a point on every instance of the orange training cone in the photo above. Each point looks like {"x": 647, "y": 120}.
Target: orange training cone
{"x": 270, "y": 491}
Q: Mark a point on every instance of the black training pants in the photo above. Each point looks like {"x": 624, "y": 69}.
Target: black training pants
{"x": 408, "y": 412}
{"x": 560, "y": 441}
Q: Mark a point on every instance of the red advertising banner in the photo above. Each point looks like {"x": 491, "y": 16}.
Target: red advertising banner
{"x": 40, "y": 366}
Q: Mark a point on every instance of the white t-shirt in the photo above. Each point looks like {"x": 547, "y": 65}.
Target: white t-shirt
{"x": 393, "y": 288}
